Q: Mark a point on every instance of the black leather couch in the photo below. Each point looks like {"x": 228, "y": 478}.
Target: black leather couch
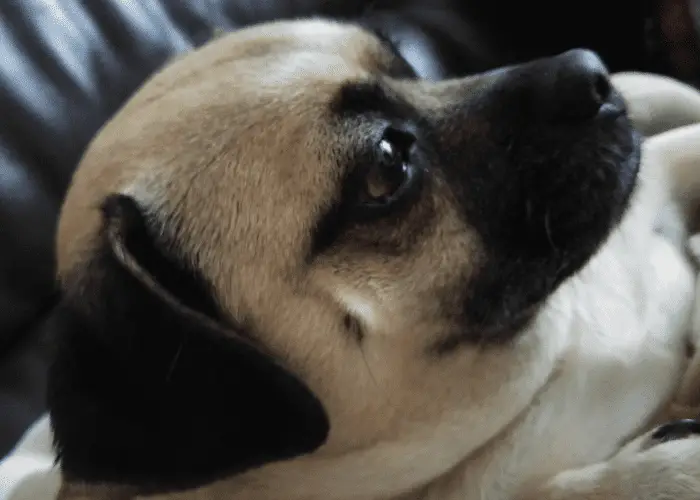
{"x": 67, "y": 65}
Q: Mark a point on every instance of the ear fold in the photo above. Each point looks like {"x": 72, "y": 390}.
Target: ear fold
{"x": 151, "y": 387}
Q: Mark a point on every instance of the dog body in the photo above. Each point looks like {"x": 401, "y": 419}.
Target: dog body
{"x": 293, "y": 271}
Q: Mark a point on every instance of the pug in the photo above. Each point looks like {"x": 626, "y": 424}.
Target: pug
{"x": 292, "y": 270}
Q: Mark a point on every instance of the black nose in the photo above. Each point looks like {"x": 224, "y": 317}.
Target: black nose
{"x": 575, "y": 85}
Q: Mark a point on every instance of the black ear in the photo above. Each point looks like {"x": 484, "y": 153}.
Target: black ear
{"x": 150, "y": 386}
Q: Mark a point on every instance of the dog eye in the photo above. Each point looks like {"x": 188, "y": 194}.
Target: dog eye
{"x": 392, "y": 175}
{"x": 387, "y": 175}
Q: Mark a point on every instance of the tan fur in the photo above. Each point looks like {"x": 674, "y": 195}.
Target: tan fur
{"x": 239, "y": 133}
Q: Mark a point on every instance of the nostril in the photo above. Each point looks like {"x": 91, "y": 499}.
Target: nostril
{"x": 572, "y": 87}
{"x": 582, "y": 85}
{"x": 601, "y": 88}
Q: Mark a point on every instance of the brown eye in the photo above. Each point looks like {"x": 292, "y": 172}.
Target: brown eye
{"x": 385, "y": 177}
{"x": 391, "y": 177}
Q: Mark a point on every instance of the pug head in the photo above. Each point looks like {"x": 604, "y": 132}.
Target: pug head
{"x": 288, "y": 263}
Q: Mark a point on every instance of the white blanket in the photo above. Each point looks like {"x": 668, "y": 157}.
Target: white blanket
{"x": 28, "y": 473}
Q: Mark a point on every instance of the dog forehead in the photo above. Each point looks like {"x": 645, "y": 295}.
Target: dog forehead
{"x": 221, "y": 136}
{"x": 348, "y": 40}
{"x": 288, "y": 53}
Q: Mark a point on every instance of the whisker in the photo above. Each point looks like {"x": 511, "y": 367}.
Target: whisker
{"x": 176, "y": 358}
{"x": 548, "y": 230}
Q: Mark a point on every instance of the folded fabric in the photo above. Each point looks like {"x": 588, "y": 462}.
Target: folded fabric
{"x": 28, "y": 473}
